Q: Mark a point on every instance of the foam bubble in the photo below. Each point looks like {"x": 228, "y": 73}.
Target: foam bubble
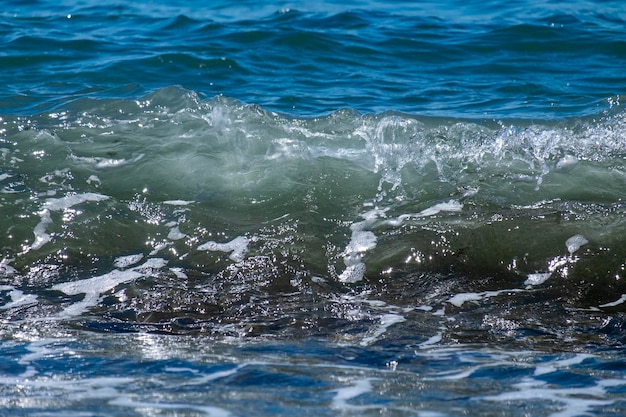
{"x": 361, "y": 241}
{"x": 18, "y": 298}
{"x": 58, "y": 204}
{"x": 178, "y": 202}
{"x": 94, "y": 287}
{"x": 353, "y": 273}
{"x": 5, "y": 268}
{"x": 176, "y": 234}
{"x": 238, "y": 247}
{"x": 537, "y": 278}
{"x": 125, "y": 261}
{"x": 179, "y": 272}
{"x": 566, "y": 162}
{"x": 104, "y": 163}
{"x": 459, "y": 299}
{"x": 575, "y": 242}
{"x": 451, "y": 206}
{"x": 41, "y": 237}
{"x": 93, "y": 179}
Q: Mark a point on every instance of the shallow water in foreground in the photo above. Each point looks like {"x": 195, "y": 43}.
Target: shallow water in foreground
{"x": 325, "y": 209}
{"x": 150, "y": 374}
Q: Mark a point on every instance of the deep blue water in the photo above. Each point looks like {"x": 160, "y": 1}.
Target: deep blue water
{"x": 539, "y": 60}
{"x": 322, "y": 208}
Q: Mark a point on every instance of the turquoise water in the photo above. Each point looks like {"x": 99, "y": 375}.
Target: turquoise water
{"x": 355, "y": 208}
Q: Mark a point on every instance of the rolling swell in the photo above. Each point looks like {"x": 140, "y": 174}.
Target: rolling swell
{"x": 170, "y": 213}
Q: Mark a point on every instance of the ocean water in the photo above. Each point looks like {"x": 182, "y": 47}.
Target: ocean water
{"x": 327, "y": 208}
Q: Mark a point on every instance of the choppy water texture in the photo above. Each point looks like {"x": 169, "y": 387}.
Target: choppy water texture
{"x": 353, "y": 208}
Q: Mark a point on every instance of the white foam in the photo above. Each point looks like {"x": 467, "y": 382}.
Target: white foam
{"x": 176, "y": 234}
{"x": 616, "y": 302}
{"x": 238, "y": 247}
{"x": 41, "y": 237}
{"x": 451, "y": 206}
{"x": 94, "y": 287}
{"x": 178, "y": 202}
{"x": 57, "y": 204}
{"x": 566, "y": 162}
{"x": 361, "y": 241}
{"x": 537, "y": 278}
{"x": 104, "y": 163}
{"x": 179, "y": 272}
{"x": 353, "y": 273}
{"x": 575, "y": 242}
{"x": 93, "y": 179}
{"x": 459, "y": 299}
{"x": 5, "y": 268}
{"x": 386, "y": 321}
{"x": 18, "y": 298}
{"x": 126, "y": 261}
